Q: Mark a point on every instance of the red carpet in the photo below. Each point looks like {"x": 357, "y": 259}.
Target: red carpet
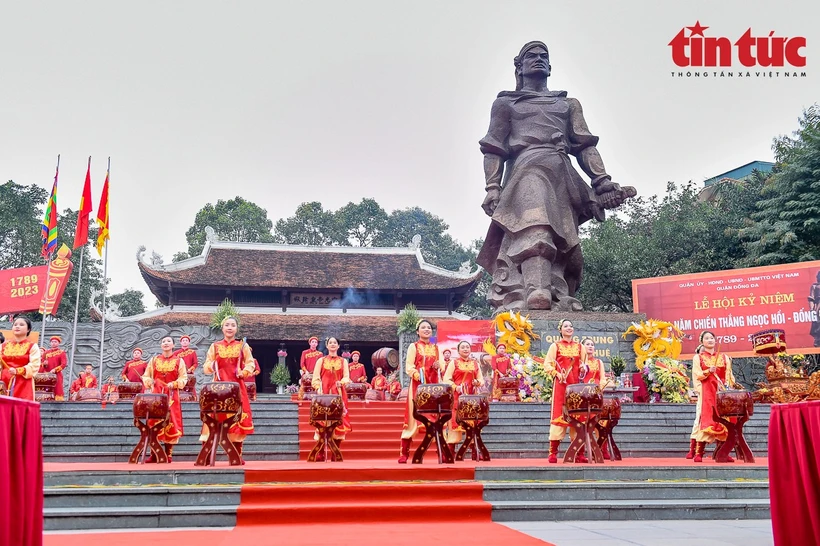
{"x": 399, "y": 502}
{"x": 351, "y": 534}
{"x": 376, "y": 426}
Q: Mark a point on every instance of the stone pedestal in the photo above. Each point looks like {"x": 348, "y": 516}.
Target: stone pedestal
{"x": 605, "y": 329}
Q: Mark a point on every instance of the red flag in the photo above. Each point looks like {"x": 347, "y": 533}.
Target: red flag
{"x": 81, "y": 234}
{"x": 102, "y": 217}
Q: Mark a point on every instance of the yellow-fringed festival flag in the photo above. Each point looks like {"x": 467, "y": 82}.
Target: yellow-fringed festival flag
{"x": 102, "y": 217}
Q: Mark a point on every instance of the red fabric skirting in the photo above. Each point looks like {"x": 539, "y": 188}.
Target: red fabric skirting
{"x": 21, "y": 472}
{"x": 794, "y": 473}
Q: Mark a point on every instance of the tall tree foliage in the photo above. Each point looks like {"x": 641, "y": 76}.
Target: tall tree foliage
{"x": 129, "y": 301}
{"x": 20, "y": 217}
{"x": 786, "y": 226}
{"x": 234, "y": 220}
{"x": 661, "y": 235}
{"x": 311, "y": 225}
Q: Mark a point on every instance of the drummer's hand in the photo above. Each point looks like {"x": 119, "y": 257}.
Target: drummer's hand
{"x": 191, "y": 370}
{"x": 460, "y": 389}
{"x": 416, "y": 376}
{"x": 338, "y": 384}
{"x": 476, "y": 382}
{"x": 13, "y": 371}
{"x": 712, "y": 369}
{"x": 435, "y": 366}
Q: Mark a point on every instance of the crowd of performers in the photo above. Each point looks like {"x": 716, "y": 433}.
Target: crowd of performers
{"x": 567, "y": 361}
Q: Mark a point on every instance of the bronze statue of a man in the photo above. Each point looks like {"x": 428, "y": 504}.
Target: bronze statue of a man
{"x": 535, "y": 197}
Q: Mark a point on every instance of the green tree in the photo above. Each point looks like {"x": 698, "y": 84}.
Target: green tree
{"x": 362, "y": 222}
{"x": 476, "y": 306}
{"x": 21, "y": 216}
{"x": 786, "y": 226}
{"x": 661, "y": 235}
{"x": 311, "y": 225}
{"x": 235, "y": 220}
{"x": 179, "y": 256}
{"x": 129, "y": 301}
{"x": 437, "y": 246}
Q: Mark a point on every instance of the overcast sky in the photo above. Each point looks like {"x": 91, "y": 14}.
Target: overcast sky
{"x": 283, "y": 103}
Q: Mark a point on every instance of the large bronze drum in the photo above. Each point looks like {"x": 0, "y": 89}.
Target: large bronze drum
{"x": 356, "y": 391}
{"x": 129, "y": 390}
{"x": 220, "y": 397}
{"x": 611, "y": 408}
{"x": 769, "y": 342}
{"x": 151, "y": 405}
{"x": 583, "y": 397}
{"x": 472, "y": 407}
{"x": 434, "y": 398}
{"x": 374, "y": 396}
{"x": 734, "y": 403}
{"x": 326, "y": 407}
{"x": 250, "y": 386}
{"x": 44, "y": 385}
{"x": 508, "y": 383}
{"x": 89, "y": 395}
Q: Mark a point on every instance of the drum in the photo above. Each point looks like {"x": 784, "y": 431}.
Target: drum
{"x": 472, "y": 407}
{"x": 44, "y": 385}
{"x": 611, "y": 408}
{"x": 583, "y": 397}
{"x": 89, "y": 395}
{"x": 129, "y": 390}
{"x": 374, "y": 396}
{"x": 250, "y": 386}
{"x": 508, "y": 383}
{"x": 385, "y": 358}
{"x": 326, "y": 407}
{"x": 769, "y": 342}
{"x": 356, "y": 391}
{"x": 434, "y": 398}
{"x": 734, "y": 403}
{"x": 220, "y": 397}
{"x": 151, "y": 406}
{"x": 191, "y": 384}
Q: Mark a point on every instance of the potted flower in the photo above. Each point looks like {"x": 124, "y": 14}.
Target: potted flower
{"x": 618, "y": 366}
{"x": 280, "y": 376}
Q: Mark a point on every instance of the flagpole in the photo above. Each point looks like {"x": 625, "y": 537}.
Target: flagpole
{"x": 76, "y": 317}
{"x": 105, "y": 282}
{"x": 48, "y": 272}
{"x": 102, "y": 333}
{"x": 80, "y": 273}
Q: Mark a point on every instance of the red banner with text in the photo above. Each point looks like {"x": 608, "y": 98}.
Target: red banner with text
{"x": 24, "y": 289}
{"x": 736, "y": 303}
{"x": 450, "y": 332}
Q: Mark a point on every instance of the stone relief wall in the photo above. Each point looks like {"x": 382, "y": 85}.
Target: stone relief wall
{"x": 120, "y": 339}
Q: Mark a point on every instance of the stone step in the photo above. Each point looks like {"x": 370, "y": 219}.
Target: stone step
{"x": 624, "y": 490}
{"x": 183, "y": 456}
{"x": 141, "y": 497}
{"x": 144, "y": 475}
{"x": 602, "y": 510}
{"x": 606, "y": 472}
{"x": 93, "y": 518}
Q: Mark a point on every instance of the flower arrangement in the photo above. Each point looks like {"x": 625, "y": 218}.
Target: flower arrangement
{"x": 534, "y": 383}
{"x": 666, "y": 379}
{"x": 281, "y": 353}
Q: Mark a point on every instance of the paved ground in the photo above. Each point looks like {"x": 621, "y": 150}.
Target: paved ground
{"x": 753, "y": 532}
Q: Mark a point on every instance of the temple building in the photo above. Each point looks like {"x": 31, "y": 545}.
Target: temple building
{"x": 287, "y": 293}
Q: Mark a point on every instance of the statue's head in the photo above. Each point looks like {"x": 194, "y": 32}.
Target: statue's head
{"x": 533, "y": 59}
